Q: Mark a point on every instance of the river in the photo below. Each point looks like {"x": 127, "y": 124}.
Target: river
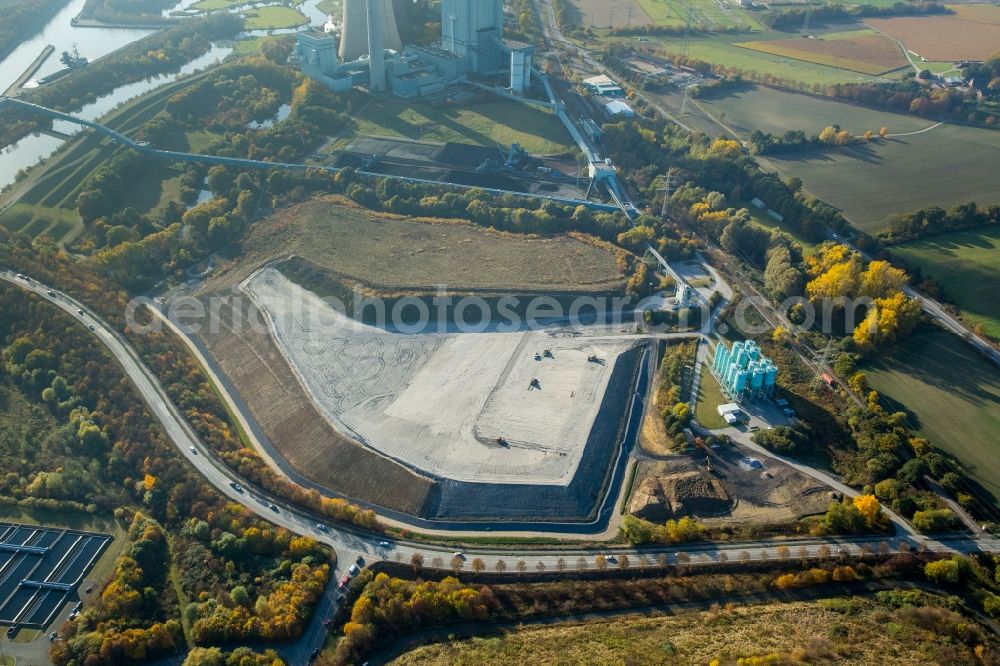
{"x": 93, "y": 43}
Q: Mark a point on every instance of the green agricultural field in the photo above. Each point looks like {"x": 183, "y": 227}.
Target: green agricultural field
{"x": 710, "y": 396}
{"x": 274, "y": 18}
{"x": 776, "y": 111}
{"x": 212, "y": 5}
{"x": 942, "y": 167}
{"x": 36, "y": 219}
{"x": 721, "y": 49}
{"x": 870, "y": 3}
{"x": 708, "y": 14}
{"x": 247, "y": 46}
{"x": 486, "y": 124}
{"x": 967, "y": 264}
{"x": 952, "y": 397}
{"x": 331, "y": 7}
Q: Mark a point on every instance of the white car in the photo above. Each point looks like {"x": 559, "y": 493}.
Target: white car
{"x": 193, "y": 450}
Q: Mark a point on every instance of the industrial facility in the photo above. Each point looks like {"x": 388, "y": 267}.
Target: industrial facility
{"x": 744, "y": 372}
{"x": 365, "y": 50}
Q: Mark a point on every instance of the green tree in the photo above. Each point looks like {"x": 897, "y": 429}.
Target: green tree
{"x": 943, "y": 571}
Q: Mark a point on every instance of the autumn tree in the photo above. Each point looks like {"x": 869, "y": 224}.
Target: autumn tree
{"x": 870, "y": 509}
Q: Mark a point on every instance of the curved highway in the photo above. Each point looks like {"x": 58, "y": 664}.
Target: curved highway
{"x": 350, "y": 543}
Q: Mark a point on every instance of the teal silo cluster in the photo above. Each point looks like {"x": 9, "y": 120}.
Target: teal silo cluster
{"x": 743, "y": 371}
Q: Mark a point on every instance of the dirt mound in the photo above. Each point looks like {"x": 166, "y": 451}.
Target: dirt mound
{"x": 692, "y": 493}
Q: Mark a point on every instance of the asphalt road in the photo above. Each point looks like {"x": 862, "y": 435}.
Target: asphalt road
{"x": 351, "y": 544}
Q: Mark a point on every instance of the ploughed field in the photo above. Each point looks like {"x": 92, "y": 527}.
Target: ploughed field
{"x": 943, "y": 166}
{"x": 857, "y": 50}
{"x": 968, "y": 36}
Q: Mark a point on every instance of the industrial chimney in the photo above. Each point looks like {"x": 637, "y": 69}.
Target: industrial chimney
{"x": 376, "y": 54}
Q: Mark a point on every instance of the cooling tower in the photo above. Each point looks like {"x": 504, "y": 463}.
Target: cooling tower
{"x": 354, "y": 34}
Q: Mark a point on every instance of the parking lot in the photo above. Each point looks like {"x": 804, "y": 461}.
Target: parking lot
{"x": 40, "y": 569}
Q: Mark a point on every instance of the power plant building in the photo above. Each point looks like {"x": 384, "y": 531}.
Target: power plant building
{"x": 371, "y": 54}
{"x": 471, "y": 29}
{"x": 744, "y": 372}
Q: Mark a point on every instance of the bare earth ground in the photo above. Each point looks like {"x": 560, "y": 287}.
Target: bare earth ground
{"x": 869, "y": 54}
{"x": 438, "y": 402}
{"x": 942, "y": 38}
{"x": 849, "y": 631}
{"x": 732, "y": 493}
{"x": 346, "y": 243}
{"x": 653, "y": 437}
{"x": 253, "y": 364}
{"x": 391, "y": 253}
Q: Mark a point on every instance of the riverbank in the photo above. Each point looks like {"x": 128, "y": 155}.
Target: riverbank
{"x": 32, "y": 68}
{"x": 13, "y": 32}
{"x": 78, "y": 22}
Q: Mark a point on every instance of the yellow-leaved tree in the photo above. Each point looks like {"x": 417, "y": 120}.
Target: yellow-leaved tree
{"x": 870, "y": 508}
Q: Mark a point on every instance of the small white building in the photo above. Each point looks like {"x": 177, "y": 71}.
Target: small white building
{"x": 618, "y": 109}
{"x": 730, "y": 412}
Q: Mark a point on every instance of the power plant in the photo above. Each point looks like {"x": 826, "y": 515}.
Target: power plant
{"x": 472, "y": 29}
{"x": 744, "y": 372}
{"x": 354, "y": 32}
{"x": 371, "y": 53}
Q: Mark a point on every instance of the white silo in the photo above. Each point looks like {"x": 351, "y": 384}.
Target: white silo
{"x": 354, "y": 33}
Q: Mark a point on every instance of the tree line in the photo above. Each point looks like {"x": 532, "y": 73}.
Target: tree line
{"x": 793, "y": 19}
{"x": 389, "y": 608}
{"x": 935, "y": 221}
